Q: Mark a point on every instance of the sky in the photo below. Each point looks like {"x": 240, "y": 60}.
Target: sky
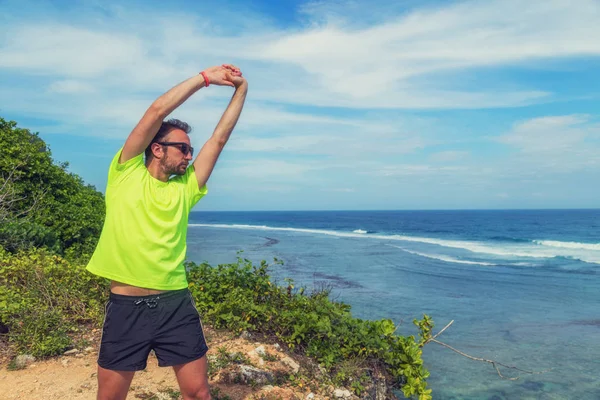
{"x": 352, "y": 105}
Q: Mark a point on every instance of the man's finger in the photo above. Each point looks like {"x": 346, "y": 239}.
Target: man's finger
{"x": 232, "y": 68}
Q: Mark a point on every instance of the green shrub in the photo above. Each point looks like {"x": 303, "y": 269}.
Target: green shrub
{"x": 240, "y": 296}
{"x": 223, "y": 359}
{"x": 41, "y": 203}
{"x": 41, "y": 332}
{"x": 43, "y": 297}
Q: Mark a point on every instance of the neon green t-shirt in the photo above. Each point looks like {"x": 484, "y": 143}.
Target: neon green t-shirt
{"x": 143, "y": 240}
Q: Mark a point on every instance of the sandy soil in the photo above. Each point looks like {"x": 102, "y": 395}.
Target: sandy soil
{"x": 74, "y": 376}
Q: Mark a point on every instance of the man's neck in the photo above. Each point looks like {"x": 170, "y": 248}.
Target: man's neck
{"x": 156, "y": 171}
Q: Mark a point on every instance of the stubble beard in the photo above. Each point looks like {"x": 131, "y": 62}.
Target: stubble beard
{"x": 172, "y": 168}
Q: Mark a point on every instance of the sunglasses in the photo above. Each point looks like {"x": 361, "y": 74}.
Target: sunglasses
{"x": 183, "y": 147}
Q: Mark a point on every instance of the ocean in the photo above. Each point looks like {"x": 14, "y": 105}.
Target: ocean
{"x": 523, "y": 287}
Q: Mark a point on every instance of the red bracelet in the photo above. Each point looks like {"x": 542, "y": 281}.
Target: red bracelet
{"x": 205, "y": 78}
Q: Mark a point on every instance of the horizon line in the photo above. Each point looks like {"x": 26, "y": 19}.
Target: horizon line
{"x": 407, "y": 209}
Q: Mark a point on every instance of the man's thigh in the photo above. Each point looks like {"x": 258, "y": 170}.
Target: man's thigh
{"x": 193, "y": 379}
{"x": 113, "y": 385}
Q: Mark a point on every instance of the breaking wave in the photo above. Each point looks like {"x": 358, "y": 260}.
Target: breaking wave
{"x": 539, "y": 249}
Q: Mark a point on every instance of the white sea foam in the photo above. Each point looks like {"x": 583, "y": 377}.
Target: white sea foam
{"x": 569, "y": 245}
{"x": 523, "y": 264}
{"x": 585, "y": 252}
{"x": 359, "y": 231}
{"x": 444, "y": 258}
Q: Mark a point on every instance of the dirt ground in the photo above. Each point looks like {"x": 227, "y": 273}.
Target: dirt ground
{"x": 74, "y": 377}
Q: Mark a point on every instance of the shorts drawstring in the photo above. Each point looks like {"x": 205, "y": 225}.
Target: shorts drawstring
{"x": 151, "y": 303}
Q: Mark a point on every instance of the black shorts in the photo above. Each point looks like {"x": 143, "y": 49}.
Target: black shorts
{"x": 167, "y": 323}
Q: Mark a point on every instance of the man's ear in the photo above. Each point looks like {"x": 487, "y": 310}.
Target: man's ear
{"x": 157, "y": 150}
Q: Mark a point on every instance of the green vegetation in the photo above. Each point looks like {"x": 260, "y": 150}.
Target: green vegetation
{"x": 269, "y": 357}
{"x": 45, "y": 301}
{"x": 223, "y": 359}
{"x": 241, "y": 297}
{"x": 215, "y": 393}
{"x": 49, "y": 224}
{"x": 41, "y": 204}
{"x": 161, "y": 395}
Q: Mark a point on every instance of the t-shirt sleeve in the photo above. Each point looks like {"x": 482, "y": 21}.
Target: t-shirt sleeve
{"x": 117, "y": 172}
{"x": 193, "y": 193}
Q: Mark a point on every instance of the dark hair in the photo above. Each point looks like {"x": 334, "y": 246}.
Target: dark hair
{"x": 164, "y": 129}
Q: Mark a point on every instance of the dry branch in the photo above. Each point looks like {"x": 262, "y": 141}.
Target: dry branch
{"x": 494, "y": 363}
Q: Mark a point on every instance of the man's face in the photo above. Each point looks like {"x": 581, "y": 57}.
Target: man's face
{"x": 174, "y": 161}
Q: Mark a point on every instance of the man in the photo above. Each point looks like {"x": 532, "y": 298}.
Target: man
{"x": 143, "y": 242}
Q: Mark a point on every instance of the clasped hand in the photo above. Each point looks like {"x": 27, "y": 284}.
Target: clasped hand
{"x": 225, "y": 75}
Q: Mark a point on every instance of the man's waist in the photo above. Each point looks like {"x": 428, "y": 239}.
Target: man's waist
{"x": 130, "y": 290}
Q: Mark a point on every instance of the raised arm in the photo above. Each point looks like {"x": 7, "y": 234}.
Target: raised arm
{"x": 208, "y": 155}
{"x": 141, "y": 136}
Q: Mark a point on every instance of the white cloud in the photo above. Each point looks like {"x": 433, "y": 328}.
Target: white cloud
{"x": 289, "y": 144}
{"x": 379, "y": 66}
{"x": 334, "y": 89}
{"x": 342, "y": 190}
{"x": 448, "y": 156}
{"x": 386, "y": 65}
{"x": 255, "y": 115}
{"x": 70, "y": 86}
{"x": 359, "y": 145}
{"x": 267, "y": 169}
{"x": 64, "y": 50}
{"x": 418, "y": 170}
{"x": 552, "y": 135}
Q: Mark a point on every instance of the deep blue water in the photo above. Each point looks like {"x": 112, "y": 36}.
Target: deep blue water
{"x": 523, "y": 287}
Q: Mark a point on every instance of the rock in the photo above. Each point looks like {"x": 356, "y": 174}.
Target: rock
{"x": 88, "y": 349}
{"x": 342, "y": 394}
{"x": 310, "y": 396}
{"x": 260, "y": 350}
{"x": 64, "y": 362}
{"x": 267, "y": 388}
{"x": 245, "y": 335}
{"x": 79, "y": 355}
{"x": 85, "y": 386}
{"x": 291, "y": 363}
{"x": 250, "y": 375}
{"x": 23, "y": 360}
{"x": 261, "y": 362}
{"x": 71, "y": 352}
{"x": 277, "y": 347}
{"x": 381, "y": 390}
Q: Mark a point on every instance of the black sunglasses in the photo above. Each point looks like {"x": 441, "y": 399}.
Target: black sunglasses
{"x": 183, "y": 147}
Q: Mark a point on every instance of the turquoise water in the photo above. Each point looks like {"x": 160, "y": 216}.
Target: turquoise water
{"x": 523, "y": 287}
